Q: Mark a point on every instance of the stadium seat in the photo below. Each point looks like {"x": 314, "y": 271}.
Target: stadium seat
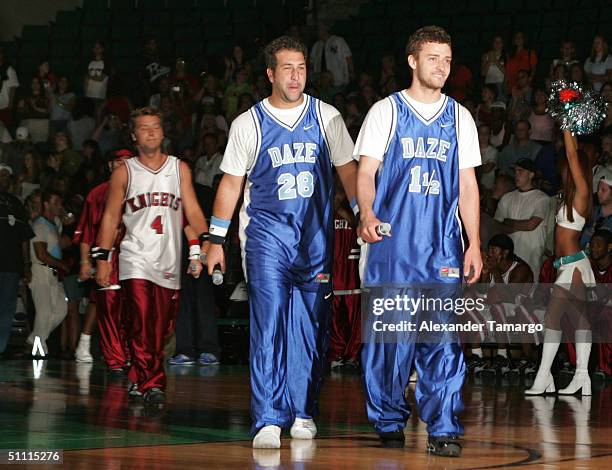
{"x": 122, "y": 6}
{"x": 125, "y": 49}
{"x": 92, "y": 33}
{"x": 188, "y": 33}
{"x": 125, "y": 33}
{"x": 186, "y": 18}
{"x": 152, "y": 5}
{"x": 67, "y": 66}
{"x": 34, "y": 49}
{"x": 178, "y": 5}
{"x": 64, "y": 33}
{"x": 95, "y": 4}
{"x": 10, "y": 49}
{"x": 71, "y": 19}
{"x": 188, "y": 49}
{"x": 65, "y": 49}
{"x": 35, "y": 33}
{"x": 96, "y": 17}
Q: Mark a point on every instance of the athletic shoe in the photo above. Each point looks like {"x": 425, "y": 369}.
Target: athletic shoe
{"x": 154, "y": 396}
{"x": 502, "y": 364}
{"x": 303, "y": 429}
{"x": 181, "y": 360}
{"x": 475, "y": 364}
{"x": 117, "y": 373}
{"x": 394, "y": 439}
{"x": 82, "y": 354}
{"x": 351, "y": 366}
{"x": 601, "y": 375}
{"x": 567, "y": 369}
{"x": 208, "y": 359}
{"x": 444, "y": 446}
{"x": 133, "y": 391}
{"x": 268, "y": 437}
{"x": 337, "y": 364}
{"x": 527, "y": 367}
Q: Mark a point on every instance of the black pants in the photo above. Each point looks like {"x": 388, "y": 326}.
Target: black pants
{"x": 196, "y": 324}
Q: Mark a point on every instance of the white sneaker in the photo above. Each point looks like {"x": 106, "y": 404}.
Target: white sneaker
{"x": 303, "y": 429}
{"x": 268, "y": 437}
{"x": 82, "y": 354}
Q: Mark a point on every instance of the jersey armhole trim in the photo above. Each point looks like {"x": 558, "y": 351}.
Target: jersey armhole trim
{"x": 393, "y": 124}
{"x": 258, "y": 141}
{"x": 322, "y": 126}
{"x": 129, "y": 181}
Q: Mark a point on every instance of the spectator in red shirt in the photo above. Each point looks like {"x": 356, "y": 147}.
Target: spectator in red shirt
{"x": 459, "y": 82}
{"x": 523, "y": 58}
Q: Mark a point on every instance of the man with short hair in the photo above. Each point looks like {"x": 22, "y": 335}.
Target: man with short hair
{"x": 15, "y": 232}
{"x": 601, "y": 262}
{"x": 417, "y": 150}
{"x": 333, "y": 54}
{"x": 602, "y": 212}
{"x": 523, "y": 213}
{"x": 106, "y": 306}
{"x": 47, "y": 267}
{"x": 151, "y": 194}
{"x": 521, "y": 147}
{"x": 285, "y": 146}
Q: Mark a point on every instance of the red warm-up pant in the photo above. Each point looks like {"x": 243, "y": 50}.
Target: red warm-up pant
{"x": 112, "y": 323}
{"x": 345, "y": 340}
{"x": 152, "y": 313}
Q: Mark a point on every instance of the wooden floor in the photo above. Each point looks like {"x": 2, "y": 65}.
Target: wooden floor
{"x": 61, "y": 405}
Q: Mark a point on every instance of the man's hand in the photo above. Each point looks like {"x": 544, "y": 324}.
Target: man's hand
{"x": 103, "y": 273}
{"x": 195, "y": 268}
{"x": 215, "y": 256}
{"x": 367, "y": 228}
{"x": 85, "y": 270}
{"x": 27, "y": 273}
{"x": 472, "y": 264}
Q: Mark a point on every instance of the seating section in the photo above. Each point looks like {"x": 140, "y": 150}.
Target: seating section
{"x": 197, "y": 29}
{"x": 192, "y": 29}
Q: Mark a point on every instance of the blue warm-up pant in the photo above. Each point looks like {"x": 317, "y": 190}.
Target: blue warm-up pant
{"x": 289, "y": 335}
{"x": 441, "y": 372}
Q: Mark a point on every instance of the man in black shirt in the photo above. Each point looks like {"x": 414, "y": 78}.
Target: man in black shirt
{"x": 15, "y": 232}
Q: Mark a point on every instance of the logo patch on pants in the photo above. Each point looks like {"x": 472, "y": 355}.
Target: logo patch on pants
{"x": 450, "y": 272}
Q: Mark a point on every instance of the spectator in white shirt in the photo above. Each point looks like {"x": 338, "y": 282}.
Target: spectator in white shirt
{"x": 333, "y": 54}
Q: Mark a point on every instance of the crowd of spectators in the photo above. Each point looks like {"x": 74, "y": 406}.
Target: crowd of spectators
{"x": 56, "y": 135}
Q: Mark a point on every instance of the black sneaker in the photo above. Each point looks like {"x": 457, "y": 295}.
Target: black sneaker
{"x": 394, "y": 439}
{"x": 475, "y": 364}
{"x": 351, "y": 366}
{"x": 155, "y": 396}
{"x": 444, "y": 446}
{"x": 133, "y": 391}
{"x": 117, "y": 374}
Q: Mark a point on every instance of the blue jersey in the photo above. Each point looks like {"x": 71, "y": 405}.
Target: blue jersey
{"x": 417, "y": 192}
{"x": 287, "y": 217}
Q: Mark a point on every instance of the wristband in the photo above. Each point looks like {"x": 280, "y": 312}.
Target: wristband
{"x": 218, "y": 230}
{"x": 194, "y": 250}
{"x": 100, "y": 254}
{"x": 204, "y": 236}
{"x": 355, "y": 207}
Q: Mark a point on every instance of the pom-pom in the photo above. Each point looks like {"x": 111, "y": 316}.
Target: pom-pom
{"x": 578, "y": 111}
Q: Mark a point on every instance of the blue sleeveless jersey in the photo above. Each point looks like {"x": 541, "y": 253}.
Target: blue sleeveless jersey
{"x": 417, "y": 192}
{"x": 287, "y": 217}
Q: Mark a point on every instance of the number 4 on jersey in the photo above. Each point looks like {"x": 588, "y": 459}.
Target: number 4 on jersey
{"x": 157, "y": 225}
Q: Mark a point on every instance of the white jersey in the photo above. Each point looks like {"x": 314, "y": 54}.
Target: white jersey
{"x": 153, "y": 219}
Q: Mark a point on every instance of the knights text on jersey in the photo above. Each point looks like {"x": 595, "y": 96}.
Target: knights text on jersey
{"x": 287, "y": 215}
{"x": 417, "y": 192}
{"x": 153, "y": 219}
